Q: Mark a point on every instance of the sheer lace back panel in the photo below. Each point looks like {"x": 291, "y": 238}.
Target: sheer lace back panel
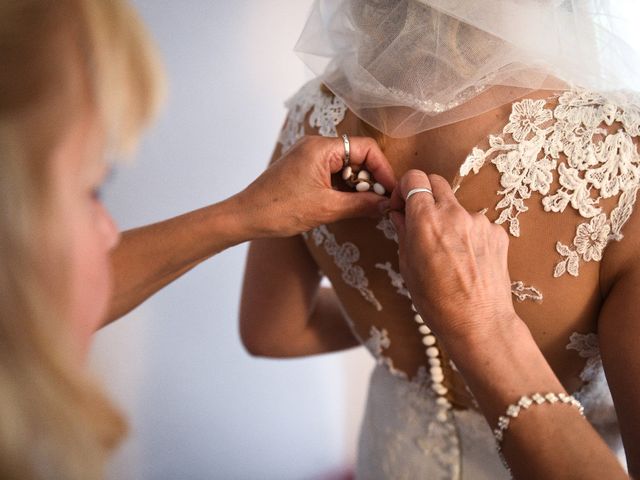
{"x": 559, "y": 171}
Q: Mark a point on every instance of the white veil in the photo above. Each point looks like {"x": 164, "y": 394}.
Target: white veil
{"x": 428, "y": 63}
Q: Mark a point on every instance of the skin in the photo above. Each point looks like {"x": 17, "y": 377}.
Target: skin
{"x": 469, "y": 308}
{"x": 528, "y": 359}
{"x": 111, "y": 273}
{"x": 90, "y": 233}
{"x": 292, "y": 196}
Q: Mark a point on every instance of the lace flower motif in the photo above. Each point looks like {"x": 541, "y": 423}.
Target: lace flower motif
{"x": 474, "y": 161}
{"x": 345, "y": 257}
{"x": 327, "y": 111}
{"x": 395, "y": 278}
{"x": 598, "y": 165}
{"x": 388, "y": 228}
{"x": 526, "y": 116}
{"x": 378, "y": 342}
{"x": 591, "y": 238}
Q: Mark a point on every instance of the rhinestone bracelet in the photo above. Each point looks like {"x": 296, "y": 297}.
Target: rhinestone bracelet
{"x": 523, "y": 403}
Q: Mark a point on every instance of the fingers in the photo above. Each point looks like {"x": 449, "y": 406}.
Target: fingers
{"x": 397, "y": 200}
{"x": 365, "y": 152}
{"x": 355, "y": 205}
{"x": 398, "y": 222}
{"x": 411, "y": 180}
{"x": 442, "y": 192}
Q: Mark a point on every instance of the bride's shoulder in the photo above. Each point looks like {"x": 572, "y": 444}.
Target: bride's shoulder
{"x": 313, "y": 109}
{"x": 577, "y": 149}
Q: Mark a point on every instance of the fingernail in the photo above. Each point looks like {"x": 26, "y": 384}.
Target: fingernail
{"x": 384, "y": 205}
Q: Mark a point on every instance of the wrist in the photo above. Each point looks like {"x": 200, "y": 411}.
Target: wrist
{"x": 239, "y": 224}
{"x": 503, "y": 330}
{"x": 501, "y": 367}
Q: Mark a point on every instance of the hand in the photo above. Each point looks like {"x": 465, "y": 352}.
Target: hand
{"x": 295, "y": 195}
{"x": 454, "y": 262}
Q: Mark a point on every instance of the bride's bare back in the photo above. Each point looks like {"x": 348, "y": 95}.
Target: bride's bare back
{"x": 560, "y": 172}
{"x": 552, "y": 307}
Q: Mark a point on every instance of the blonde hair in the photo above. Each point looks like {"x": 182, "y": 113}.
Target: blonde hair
{"x": 55, "y": 423}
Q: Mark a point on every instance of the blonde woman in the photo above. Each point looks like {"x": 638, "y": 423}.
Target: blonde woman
{"x": 79, "y": 80}
{"x": 511, "y": 279}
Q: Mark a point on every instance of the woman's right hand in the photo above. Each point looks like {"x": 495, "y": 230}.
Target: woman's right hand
{"x": 295, "y": 194}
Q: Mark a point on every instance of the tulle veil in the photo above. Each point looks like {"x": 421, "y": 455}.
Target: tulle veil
{"x": 428, "y": 63}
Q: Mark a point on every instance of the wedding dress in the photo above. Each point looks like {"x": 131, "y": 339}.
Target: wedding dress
{"x": 563, "y": 171}
{"x": 406, "y": 431}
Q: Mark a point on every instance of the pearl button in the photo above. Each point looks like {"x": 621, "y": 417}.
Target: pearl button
{"x": 429, "y": 340}
{"x": 423, "y": 329}
{"x": 437, "y": 378}
{"x": 432, "y": 352}
{"x": 363, "y": 175}
{"x": 439, "y": 388}
{"x": 418, "y": 318}
{"x": 434, "y": 362}
{"x": 363, "y": 187}
{"x": 442, "y": 401}
{"x": 413, "y": 307}
{"x": 346, "y": 173}
{"x": 379, "y": 189}
{"x": 435, "y": 370}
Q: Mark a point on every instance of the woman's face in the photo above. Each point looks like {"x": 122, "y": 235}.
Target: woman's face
{"x": 90, "y": 233}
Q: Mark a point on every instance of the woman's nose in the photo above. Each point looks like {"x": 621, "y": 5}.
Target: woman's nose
{"x": 109, "y": 229}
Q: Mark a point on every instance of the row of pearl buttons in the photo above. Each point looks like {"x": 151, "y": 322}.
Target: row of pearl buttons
{"x": 436, "y": 373}
{"x": 363, "y": 182}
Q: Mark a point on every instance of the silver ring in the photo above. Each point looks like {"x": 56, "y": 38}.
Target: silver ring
{"x": 347, "y": 149}
{"x": 418, "y": 190}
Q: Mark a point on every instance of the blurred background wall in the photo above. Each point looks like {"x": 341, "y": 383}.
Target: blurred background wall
{"x": 199, "y": 406}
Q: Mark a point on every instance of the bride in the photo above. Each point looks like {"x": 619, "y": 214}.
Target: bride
{"x": 518, "y": 105}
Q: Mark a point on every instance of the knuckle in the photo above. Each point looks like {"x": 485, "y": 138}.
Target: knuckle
{"x": 369, "y": 142}
{"x": 304, "y": 139}
{"x": 411, "y": 179}
{"x": 500, "y": 233}
{"x": 436, "y": 179}
{"x": 414, "y": 175}
{"x": 480, "y": 219}
{"x": 304, "y": 142}
{"x": 458, "y": 215}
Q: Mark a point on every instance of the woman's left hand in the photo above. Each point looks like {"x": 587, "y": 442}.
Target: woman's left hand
{"x": 454, "y": 262}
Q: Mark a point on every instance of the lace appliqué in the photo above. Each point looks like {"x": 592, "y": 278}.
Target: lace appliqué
{"x": 327, "y": 111}
{"x": 401, "y": 437}
{"x": 523, "y": 292}
{"x": 396, "y": 279}
{"x": 345, "y": 256}
{"x": 598, "y": 163}
{"x": 376, "y": 344}
{"x": 388, "y": 228}
{"x": 594, "y": 393}
{"x": 378, "y": 341}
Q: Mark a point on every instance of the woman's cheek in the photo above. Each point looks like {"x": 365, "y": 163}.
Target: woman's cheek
{"x": 91, "y": 279}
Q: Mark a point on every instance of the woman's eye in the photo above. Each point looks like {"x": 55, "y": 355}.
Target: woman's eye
{"x": 96, "y": 193}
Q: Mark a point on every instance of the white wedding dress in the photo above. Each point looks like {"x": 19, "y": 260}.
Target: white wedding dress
{"x": 406, "y": 433}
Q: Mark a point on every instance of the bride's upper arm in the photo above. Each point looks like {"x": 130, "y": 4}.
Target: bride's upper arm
{"x": 619, "y": 336}
{"x": 280, "y": 282}
{"x": 281, "y": 277}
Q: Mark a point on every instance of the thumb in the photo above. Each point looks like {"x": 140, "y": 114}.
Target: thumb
{"x": 358, "y": 204}
{"x": 398, "y": 221}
